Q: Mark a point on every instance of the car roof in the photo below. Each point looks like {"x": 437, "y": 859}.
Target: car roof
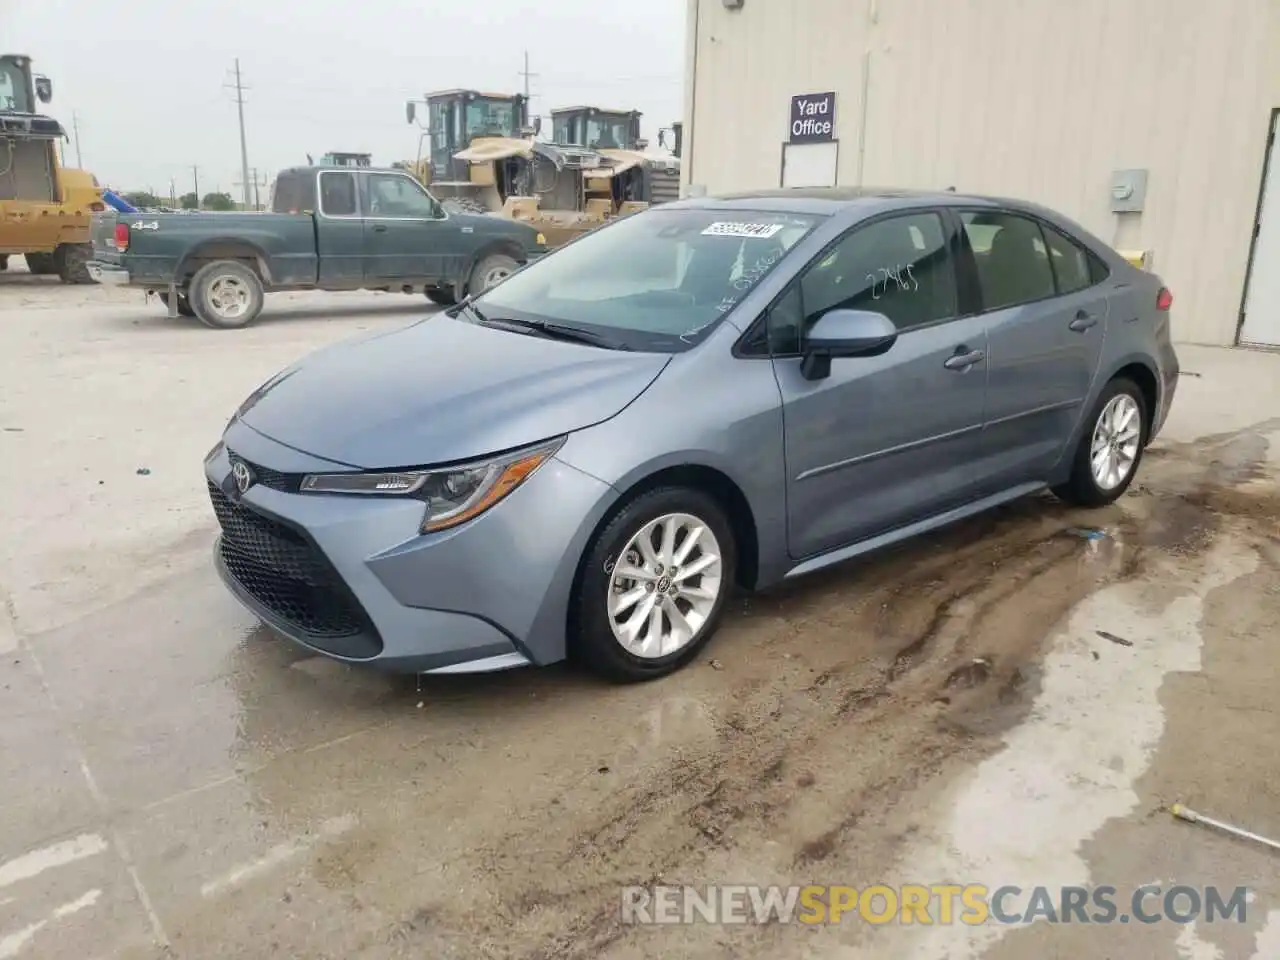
{"x": 828, "y": 201}
{"x": 338, "y": 167}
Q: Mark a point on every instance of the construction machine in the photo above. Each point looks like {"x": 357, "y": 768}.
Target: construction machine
{"x": 45, "y": 208}
{"x": 635, "y": 175}
{"x": 484, "y": 155}
{"x": 336, "y": 158}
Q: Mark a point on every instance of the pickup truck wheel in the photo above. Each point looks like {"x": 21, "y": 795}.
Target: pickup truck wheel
{"x": 226, "y": 294}
{"x": 184, "y": 305}
{"x": 490, "y": 272}
{"x": 443, "y": 296}
{"x": 71, "y": 260}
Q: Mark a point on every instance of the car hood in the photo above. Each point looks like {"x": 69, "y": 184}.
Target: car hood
{"x": 443, "y": 390}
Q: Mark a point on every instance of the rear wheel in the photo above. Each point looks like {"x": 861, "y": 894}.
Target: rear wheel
{"x": 71, "y": 261}
{"x": 653, "y": 585}
{"x": 490, "y": 272}
{"x": 1107, "y": 456}
{"x": 444, "y": 297}
{"x": 4, "y": 261}
{"x": 184, "y": 305}
{"x": 226, "y": 295}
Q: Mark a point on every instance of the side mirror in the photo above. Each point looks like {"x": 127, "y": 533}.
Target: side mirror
{"x": 44, "y": 89}
{"x": 410, "y": 111}
{"x": 537, "y": 126}
{"x": 845, "y": 333}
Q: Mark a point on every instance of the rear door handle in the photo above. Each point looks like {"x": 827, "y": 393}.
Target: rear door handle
{"x": 963, "y": 361}
{"x": 1083, "y": 321}
{"x": 380, "y": 228}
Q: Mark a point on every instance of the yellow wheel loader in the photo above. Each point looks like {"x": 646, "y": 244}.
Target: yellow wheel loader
{"x": 483, "y": 155}
{"x": 45, "y": 208}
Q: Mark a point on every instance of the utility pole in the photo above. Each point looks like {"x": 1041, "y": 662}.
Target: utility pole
{"x": 240, "y": 88}
{"x": 173, "y": 192}
{"x": 527, "y": 76}
{"x": 75, "y": 126}
{"x": 195, "y": 176}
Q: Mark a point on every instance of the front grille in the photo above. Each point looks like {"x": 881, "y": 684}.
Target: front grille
{"x": 273, "y": 479}
{"x": 291, "y": 577}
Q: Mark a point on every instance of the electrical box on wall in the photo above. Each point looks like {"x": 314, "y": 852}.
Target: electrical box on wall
{"x": 1128, "y": 191}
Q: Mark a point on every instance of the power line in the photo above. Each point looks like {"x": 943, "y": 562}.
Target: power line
{"x": 240, "y": 88}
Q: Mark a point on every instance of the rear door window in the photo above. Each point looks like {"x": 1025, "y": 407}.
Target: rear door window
{"x": 1011, "y": 257}
{"x": 338, "y": 194}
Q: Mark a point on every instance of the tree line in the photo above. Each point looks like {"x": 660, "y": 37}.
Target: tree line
{"x": 188, "y": 201}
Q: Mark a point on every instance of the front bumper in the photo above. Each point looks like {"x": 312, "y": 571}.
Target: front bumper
{"x": 108, "y": 274}
{"x": 350, "y": 577}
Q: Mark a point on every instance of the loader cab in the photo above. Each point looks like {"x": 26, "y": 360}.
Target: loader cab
{"x": 337, "y": 159}
{"x": 596, "y": 129}
{"x": 20, "y": 89}
{"x": 455, "y": 118}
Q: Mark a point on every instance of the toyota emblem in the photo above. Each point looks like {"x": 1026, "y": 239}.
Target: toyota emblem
{"x": 244, "y": 477}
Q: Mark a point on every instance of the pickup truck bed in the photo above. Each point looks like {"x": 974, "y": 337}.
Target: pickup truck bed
{"x": 341, "y": 229}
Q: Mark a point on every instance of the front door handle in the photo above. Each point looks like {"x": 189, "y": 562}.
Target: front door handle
{"x": 1083, "y": 321}
{"x": 380, "y": 228}
{"x": 963, "y": 361}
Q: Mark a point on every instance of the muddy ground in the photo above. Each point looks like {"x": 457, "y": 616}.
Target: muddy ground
{"x": 1011, "y": 701}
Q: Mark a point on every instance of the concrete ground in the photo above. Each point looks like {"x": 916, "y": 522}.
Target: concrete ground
{"x": 177, "y": 782}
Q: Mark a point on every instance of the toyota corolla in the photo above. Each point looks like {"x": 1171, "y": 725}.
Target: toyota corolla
{"x": 715, "y": 394}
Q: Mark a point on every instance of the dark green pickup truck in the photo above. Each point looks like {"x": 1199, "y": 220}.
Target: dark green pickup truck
{"x": 334, "y": 228}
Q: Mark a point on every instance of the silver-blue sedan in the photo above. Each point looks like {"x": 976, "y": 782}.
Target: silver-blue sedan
{"x": 722, "y": 392}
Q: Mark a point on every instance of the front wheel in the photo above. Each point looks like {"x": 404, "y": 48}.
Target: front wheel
{"x": 490, "y": 272}
{"x": 1110, "y": 449}
{"x": 226, "y": 295}
{"x": 653, "y": 586}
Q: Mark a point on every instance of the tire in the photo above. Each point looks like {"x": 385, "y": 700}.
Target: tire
{"x": 592, "y": 637}
{"x": 71, "y": 262}
{"x": 39, "y": 264}
{"x": 184, "y": 305}
{"x": 442, "y": 296}
{"x": 4, "y": 261}
{"x": 226, "y": 295}
{"x": 1083, "y": 488}
{"x": 490, "y": 272}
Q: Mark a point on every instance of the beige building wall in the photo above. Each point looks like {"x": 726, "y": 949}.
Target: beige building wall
{"x": 1038, "y": 99}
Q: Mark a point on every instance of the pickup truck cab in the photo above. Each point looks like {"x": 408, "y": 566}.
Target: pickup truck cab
{"x": 330, "y": 228}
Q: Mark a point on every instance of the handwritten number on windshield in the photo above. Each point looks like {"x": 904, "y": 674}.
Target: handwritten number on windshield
{"x": 899, "y": 275}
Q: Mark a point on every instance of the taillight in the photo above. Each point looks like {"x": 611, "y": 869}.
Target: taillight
{"x": 122, "y": 237}
{"x": 1164, "y": 299}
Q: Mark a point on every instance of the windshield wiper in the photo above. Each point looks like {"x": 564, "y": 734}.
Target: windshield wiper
{"x": 465, "y": 304}
{"x": 555, "y": 331}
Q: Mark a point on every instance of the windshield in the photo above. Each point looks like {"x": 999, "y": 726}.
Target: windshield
{"x": 13, "y": 88}
{"x": 490, "y": 118}
{"x": 657, "y": 280}
{"x": 611, "y": 134}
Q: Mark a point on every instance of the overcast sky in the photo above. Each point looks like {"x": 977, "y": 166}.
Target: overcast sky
{"x": 145, "y": 77}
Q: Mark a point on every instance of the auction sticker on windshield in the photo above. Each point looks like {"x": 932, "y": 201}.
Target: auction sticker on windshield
{"x": 758, "y": 231}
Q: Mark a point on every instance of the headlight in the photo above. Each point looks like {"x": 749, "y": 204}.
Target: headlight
{"x": 453, "y": 495}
